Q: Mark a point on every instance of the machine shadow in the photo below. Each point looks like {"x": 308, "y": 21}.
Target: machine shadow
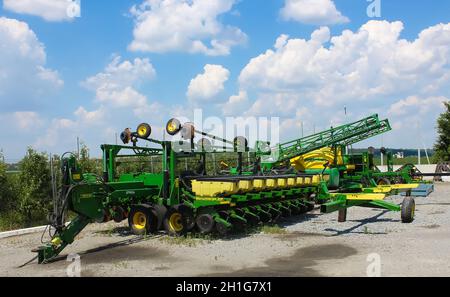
{"x": 122, "y": 243}
{"x": 362, "y": 222}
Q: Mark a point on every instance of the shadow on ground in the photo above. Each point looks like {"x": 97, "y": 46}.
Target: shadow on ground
{"x": 362, "y": 223}
{"x": 116, "y": 252}
{"x": 301, "y": 263}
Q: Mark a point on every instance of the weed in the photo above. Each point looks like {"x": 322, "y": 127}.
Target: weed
{"x": 275, "y": 229}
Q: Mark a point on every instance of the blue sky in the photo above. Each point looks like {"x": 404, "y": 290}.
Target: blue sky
{"x": 49, "y": 113}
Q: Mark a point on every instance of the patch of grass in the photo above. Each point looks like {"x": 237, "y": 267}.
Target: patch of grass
{"x": 121, "y": 265}
{"x": 275, "y": 229}
{"x": 13, "y": 220}
{"x": 161, "y": 267}
{"x": 366, "y": 230}
{"x": 108, "y": 232}
{"x": 190, "y": 240}
{"x": 116, "y": 231}
{"x": 10, "y": 221}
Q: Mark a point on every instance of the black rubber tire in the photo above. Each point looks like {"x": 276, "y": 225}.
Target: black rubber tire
{"x": 160, "y": 212}
{"x": 125, "y": 136}
{"x": 148, "y": 130}
{"x": 188, "y": 217}
{"x": 177, "y": 127}
{"x": 119, "y": 214}
{"x": 180, "y": 222}
{"x": 408, "y": 210}
{"x": 205, "y": 223}
{"x": 150, "y": 220}
{"x": 383, "y": 181}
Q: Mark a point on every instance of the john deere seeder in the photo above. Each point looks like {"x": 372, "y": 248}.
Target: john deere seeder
{"x": 181, "y": 198}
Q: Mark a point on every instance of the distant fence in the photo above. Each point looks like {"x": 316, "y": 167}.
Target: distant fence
{"x": 13, "y": 172}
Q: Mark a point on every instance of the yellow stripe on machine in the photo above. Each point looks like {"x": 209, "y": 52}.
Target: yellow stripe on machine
{"x": 402, "y": 186}
{"x": 381, "y": 189}
{"x": 220, "y": 200}
{"x": 362, "y": 196}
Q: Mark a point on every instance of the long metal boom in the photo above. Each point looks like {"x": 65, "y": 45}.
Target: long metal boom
{"x": 343, "y": 135}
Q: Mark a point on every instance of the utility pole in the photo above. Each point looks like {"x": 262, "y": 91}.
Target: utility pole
{"x": 53, "y": 178}
{"x": 78, "y": 147}
{"x": 302, "y": 128}
{"x": 418, "y": 156}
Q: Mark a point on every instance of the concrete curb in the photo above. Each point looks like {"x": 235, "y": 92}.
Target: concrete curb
{"x": 22, "y": 232}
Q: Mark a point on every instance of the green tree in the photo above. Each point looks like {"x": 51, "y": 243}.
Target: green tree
{"x": 35, "y": 186}
{"x": 442, "y": 146}
{"x": 88, "y": 165}
{"x": 6, "y": 190}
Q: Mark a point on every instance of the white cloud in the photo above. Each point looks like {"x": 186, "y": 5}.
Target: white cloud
{"x": 119, "y": 104}
{"x": 235, "y": 104}
{"x": 50, "y": 10}
{"x": 117, "y": 84}
{"x": 208, "y": 84}
{"x": 366, "y": 71}
{"x": 417, "y": 106}
{"x": 288, "y": 65}
{"x": 90, "y": 116}
{"x": 364, "y": 65}
{"x": 316, "y": 12}
{"x": 23, "y": 75}
{"x": 26, "y": 120}
{"x": 414, "y": 120}
{"x": 274, "y": 104}
{"x": 185, "y": 26}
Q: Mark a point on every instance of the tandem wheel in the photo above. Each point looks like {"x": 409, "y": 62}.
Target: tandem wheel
{"x": 142, "y": 220}
{"x": 179, "y": 220}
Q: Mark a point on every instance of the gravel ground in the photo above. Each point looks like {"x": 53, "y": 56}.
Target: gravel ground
{"x": 308, "y": 245}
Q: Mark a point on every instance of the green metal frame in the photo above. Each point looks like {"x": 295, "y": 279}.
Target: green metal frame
{"x": 343, "y": 135}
